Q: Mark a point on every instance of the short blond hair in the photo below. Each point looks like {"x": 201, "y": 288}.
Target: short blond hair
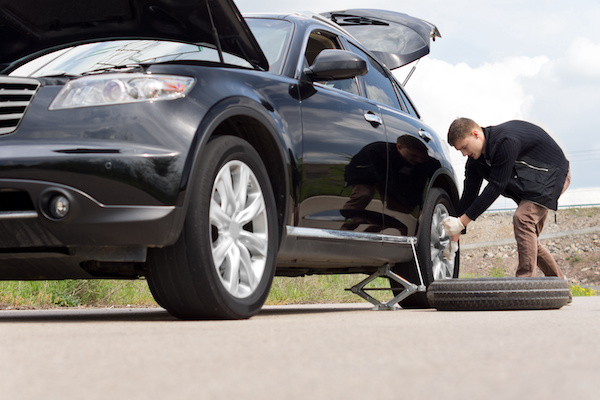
{"x": 460, "y": 128}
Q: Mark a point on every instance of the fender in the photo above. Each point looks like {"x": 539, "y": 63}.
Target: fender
{"x": 219, "y": 113}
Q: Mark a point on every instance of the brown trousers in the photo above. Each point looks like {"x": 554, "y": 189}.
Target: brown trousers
{"x": 528, "y": 224}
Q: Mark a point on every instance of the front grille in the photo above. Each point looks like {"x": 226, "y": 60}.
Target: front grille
{"x": 15, "y": 96}
{"x": 14, "y": 200}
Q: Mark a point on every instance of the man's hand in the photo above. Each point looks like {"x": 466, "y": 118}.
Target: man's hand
{"x": 452, "y": 226}
{"x": 450, "y": 251}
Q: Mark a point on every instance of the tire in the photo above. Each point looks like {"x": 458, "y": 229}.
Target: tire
{"x": 431, "y": 242}
{"x": 488, "y": 294}
{"x": 223, "y": 263}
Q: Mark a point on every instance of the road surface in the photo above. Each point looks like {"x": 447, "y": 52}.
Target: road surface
{"x": 302, "y": 352}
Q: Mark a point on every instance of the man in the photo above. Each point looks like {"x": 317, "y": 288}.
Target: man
{"x": 521, "y": 161}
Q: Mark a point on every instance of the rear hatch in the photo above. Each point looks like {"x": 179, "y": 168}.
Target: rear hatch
{"x": 396, "y": 39}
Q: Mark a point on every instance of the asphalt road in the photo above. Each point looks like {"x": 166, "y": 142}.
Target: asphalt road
{"x": 302, "y": 352}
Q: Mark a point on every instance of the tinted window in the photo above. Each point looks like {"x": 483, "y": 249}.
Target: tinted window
{"x": 407, "y": 104}
{"x": 319, "y": 41}
{"x": 377, "y": 84}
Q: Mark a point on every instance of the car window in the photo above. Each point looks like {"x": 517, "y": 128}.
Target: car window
{"x": 406, "y": 103}
{"x": 273, "y": 36}
{"x": 377, "y": 84}
{"x": 319, "y": 41}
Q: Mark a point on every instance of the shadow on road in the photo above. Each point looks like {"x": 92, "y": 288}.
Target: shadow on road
{"x": 313, "y": 309}
{"x": 159, "y": 314}
{"x": 82, "y": 315}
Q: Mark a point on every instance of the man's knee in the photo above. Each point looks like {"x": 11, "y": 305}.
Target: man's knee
{"x": 522, "y": 218}
{"x": 528, "y": 213}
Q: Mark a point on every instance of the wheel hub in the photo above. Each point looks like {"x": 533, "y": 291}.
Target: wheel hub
{"x": 234, "y": 230}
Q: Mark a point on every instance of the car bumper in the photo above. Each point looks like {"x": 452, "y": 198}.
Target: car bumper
{"x": 26, "y": 222}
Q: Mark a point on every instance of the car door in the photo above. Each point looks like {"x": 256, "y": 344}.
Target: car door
{"x": 411, "y": 162}
{"x": 343, "y": 168}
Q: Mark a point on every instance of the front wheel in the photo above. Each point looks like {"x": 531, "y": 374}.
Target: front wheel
{"x": 431, "y": 243}
{"x": 223, "y": 263}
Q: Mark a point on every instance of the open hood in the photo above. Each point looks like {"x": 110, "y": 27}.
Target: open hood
{"x": 33, "y": 26}
{"x": 396, "y": 39}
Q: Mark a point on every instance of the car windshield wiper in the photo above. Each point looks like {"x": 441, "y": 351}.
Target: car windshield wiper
{"x": 342, "y": 19}
{"x": 116, "y": 68}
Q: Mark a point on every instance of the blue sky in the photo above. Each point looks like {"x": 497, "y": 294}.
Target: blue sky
{"x": 504, "y": 59}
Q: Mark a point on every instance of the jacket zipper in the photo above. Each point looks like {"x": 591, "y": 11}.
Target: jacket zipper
{"x": 533, "y": 166}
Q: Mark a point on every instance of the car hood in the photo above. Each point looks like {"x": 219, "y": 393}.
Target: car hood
{"x": 396, "y": 39}
{"x": 29, "y": 27}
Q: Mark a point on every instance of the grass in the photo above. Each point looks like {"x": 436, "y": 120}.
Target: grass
{"x": 577, "y": 290}
{"x": 322, "y": 289}
{"x": 123, "y": 293}
{"x": 118, "y": 293}
{"x": 75, "y": 293}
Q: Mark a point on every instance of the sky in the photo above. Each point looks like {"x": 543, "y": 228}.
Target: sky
{"x": 500, "y": 60}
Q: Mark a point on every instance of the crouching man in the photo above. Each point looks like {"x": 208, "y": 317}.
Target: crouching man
{"x": 518, "y": 160}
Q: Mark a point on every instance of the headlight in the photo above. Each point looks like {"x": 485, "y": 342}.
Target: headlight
{"x": 100, "y": 90}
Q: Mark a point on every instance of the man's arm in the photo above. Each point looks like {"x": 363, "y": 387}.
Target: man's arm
{"x": 502, "y": 163}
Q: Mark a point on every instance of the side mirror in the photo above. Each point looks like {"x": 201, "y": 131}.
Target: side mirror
{"x": 336, "y": 64}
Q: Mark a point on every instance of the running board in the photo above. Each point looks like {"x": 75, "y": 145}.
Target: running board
{"x": 330, "y": 234}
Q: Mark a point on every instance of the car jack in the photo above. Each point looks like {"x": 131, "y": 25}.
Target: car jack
{"x": 385, "y": 271}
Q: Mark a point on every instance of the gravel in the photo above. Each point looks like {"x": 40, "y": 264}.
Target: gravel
{"x": 571, "y": 235}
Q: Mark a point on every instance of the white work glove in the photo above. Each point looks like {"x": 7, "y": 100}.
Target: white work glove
{"x": 452, "y": 226}
{"x": 450, "y": 251}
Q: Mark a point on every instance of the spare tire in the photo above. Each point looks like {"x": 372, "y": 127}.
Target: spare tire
{"x": 487, "y": 294}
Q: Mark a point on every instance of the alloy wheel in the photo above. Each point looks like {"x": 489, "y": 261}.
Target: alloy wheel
{"x": 441, "y": 267}
{"x": 239, "y": 229}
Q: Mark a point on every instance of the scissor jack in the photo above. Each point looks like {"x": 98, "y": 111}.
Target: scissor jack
{"x": 385, "y": 271}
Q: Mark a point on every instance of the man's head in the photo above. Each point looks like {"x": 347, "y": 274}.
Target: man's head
{"x": 467, "y": 137}
{"x": 411, "y": 149}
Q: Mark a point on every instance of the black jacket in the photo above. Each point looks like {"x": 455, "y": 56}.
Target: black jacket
{"x": 521, "y": 161}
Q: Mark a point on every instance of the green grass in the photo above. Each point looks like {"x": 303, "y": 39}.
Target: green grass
{"x": 577, "y": 290}
{"x": 322, "y": 289}
{"x": 74, "y": 293}
{"x": 123, "y": 293}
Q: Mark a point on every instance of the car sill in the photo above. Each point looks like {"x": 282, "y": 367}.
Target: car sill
{"x": 330, "y": 234}
{"x": 18, "y": 214}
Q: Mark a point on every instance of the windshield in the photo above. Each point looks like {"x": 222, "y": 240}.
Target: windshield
{"x": 91, "y": 57}
{"x": 273, "y": 36}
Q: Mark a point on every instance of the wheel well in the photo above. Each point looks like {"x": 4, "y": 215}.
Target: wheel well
{"x": 255, "y": 133}
{"x": 447, "y": 184}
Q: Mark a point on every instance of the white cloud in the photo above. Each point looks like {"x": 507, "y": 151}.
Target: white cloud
{"x": 584, "y": 57}
{"x": 501, "y": 60}
{"x": 489, "y": 94}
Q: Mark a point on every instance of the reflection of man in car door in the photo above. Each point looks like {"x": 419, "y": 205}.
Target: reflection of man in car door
{"x": 405, "y": 176}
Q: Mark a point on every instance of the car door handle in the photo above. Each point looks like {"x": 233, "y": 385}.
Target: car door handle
{"x": 373, "y": 118}
{"x": 426, "y": 136}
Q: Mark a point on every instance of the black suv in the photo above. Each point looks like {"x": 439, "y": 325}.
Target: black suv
{"x": 208, "y": 152}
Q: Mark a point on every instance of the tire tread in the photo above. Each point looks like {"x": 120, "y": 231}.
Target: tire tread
{"x": 499, "y": 294}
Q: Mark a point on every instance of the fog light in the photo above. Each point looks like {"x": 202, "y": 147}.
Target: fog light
{"x": 59, "y": 206}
